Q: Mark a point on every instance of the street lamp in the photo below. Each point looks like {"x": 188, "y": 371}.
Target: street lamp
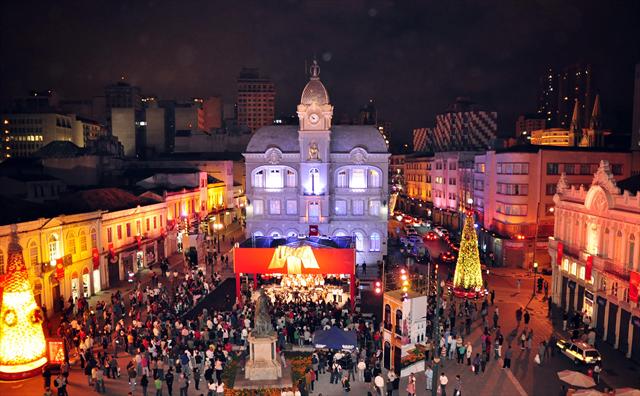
{"x": 535, "y": 272}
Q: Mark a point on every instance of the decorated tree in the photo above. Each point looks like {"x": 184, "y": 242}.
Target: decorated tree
{"x": 22, "y": 342}
{"x": 468, "y": 275}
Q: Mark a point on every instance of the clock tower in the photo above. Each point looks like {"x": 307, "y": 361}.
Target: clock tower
{"x": 314, "y": 136}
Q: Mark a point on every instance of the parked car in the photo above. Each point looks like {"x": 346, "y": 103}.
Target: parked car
{"x": 447, "y": 257}
{"x": 579, "y": 352}
{"x": 430, "y": 236}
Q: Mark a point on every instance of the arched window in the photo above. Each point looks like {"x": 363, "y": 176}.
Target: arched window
{"x": 94, "y": 236}
{"x": 374, "y": 178}
{"x": 342, "y": 180}
{"x": 339, "y": 233}
{"x": 258, "y": 179}
{"x": 617, "y": 246}
{"x": 632, "y": 252}
{"x": 70, "y": 243}
{"x": 275, "y": 234}
{"x": 82, "y": 236}
{"x": 1, "y": 262}
{"x": 274, "y": 179}
{"x": 605, "y": 243}
{"x": 358, "y": 178}
{"x": 292, "y": 233}
{"x": 387, "y": 316}
{"x": 258, "y": 234}
{"x": 54, "y": 251}
{"x": 314, "y": 176}
{"x": 34, "y": 258}
{"x": 374, "y": 242}
{"x": 398, "y": 321}
{"x": 359, "y": 241}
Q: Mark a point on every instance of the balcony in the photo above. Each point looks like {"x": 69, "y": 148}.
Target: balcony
{"x": 609, "y": 267}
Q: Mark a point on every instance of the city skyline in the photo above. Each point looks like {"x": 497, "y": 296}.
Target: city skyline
{"x": 177, "y": 51}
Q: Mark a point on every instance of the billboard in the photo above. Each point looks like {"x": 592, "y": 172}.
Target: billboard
{"x": 294, "y": 260}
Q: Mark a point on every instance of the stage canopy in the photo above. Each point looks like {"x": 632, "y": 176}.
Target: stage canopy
{"x": 311, "y": 255}
{"x": 335, "y": 338}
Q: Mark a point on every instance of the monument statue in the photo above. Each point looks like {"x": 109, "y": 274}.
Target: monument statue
{"x": 263, "y": 326}
{"x": 313, "y": 151}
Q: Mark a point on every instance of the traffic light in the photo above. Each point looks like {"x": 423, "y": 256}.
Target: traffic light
{"x": 378, "y": 287}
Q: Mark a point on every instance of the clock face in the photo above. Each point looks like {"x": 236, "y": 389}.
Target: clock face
{"x": 314, "y": 118}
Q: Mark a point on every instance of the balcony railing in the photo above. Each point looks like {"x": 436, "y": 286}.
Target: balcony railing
{"x": 601, "y": 264}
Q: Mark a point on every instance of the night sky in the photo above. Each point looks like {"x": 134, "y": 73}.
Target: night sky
{"x": 414, "y": 58}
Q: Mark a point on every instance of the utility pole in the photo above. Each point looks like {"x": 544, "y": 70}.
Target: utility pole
{"x": 436, "y": 335}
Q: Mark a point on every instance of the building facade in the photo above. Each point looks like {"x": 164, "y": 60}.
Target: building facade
{"x": 317, "y": 178}
{"x": 446, "y": 187}
{"x": 423, "y": 140}
{"x": 595, "y": 252}
{"x": 418, "y": 194}
{"x": 465, "y": 126}
{"x": 513, "y": 196}
{"x": 529, "y": 122}
{"x": 256, "y": 99}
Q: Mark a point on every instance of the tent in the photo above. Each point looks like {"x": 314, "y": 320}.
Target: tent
{"x": 335, "y": 338}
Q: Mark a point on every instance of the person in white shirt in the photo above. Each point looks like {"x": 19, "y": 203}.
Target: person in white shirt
{"x": 379, "y": 383}
{"x": 443, "y": 384}
{"x": 361, "y": 367}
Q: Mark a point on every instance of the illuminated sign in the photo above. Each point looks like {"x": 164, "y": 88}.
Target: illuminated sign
{"x": 298, "y": 260}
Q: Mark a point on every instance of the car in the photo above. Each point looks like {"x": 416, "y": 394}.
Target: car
{"x": 430, "y": 236}
{"x": 407, "y": 219}
{"x": 417, "y": 222}
{"x": 580, "y": 352}
{"x": 447, "y": 257}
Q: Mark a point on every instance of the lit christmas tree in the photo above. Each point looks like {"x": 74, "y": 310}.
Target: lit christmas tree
{"x": 22, "y": 342}
{"x": 468, "y": 275}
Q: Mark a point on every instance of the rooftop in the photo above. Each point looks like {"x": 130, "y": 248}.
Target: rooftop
{"x": 530, "y": 148}
{"x": 59, "y": 149}
{"x": 109, "y": 199}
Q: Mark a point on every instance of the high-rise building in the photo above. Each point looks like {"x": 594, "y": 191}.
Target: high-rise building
{"x": 122, "y": 95}
{"x": 256, "y": 99}
{"x": 560, "y": 89}
{"x": 529, "y": 122}
{"x": 423, "y": 139}
{"x": 465, "y": 126}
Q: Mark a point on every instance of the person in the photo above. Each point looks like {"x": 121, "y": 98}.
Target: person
{"x": 378, "y": 381}
{"x": 98, "y": 377}
{"x": 518, "y": 284}
{"x": 565, "y": 319}
{"x": 527, "y": 317}
{"x": 346, "y": 386}
{"x": 428, "y": 373}
{"x": 458, "y": 389}
{"x": 507, "y": 357}
{"x": 518, "y": 315}
{"x": 493, "y": 296}
{"x": 443, "y": 384}
{"x": 361, "y": 367}
{"x": 411, "y": 385}
{"x": 596, "y": 373}
{"x": 61, "y": 384}
{"x": 476, "y": 364}
{"x": 47, "y": 392}
{"x": 523, "y": 339}
{"x": 46, "y": 374}
{"x": 364, "y": 267}
{"x": 211, "y": 386}
{"x": 132, "y": 373}
{"x": 542, "y": 351}
{"x": 169, "y": 380}
{"x": 157, "y": 382}
{"x": 310, "y": 377}
{"x": 183, "y": 384}
{"x": 144, "y": 382}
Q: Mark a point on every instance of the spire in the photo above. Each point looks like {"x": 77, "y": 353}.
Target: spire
{"x": 575, "y": 119}
{"x": 315, "y": 70}
{"x": 596, "y": 116}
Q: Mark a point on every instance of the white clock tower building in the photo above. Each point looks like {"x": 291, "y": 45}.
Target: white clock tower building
{"x": 317, "y": 176}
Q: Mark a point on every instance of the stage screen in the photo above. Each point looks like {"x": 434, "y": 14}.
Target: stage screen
{"x": 294, "y": 260}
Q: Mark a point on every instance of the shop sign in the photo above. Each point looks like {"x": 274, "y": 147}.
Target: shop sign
{"x": 95, "y": 256}
{"x": 602, "y": 301}
{"x": 636, "y": 321}
{"x": 588, "y": 269}
{"x": 313, "y": 230}
{"x": 588, "y": 295}
{"x": 59, "y": 269}
{"x": 55, "y": 351}
{"x": 572, "y": 284}
{"x": 560, "y": 253}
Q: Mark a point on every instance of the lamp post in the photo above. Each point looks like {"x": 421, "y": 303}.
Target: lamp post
{"x": 535, "y": 272}
{"x": 436, "y": 336}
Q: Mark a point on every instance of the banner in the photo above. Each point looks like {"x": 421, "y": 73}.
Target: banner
{"x": 139, "y": 242}
{"x": 55, "y": 351}
{"x": 294, "y": 260}
{"x": 95, "y": 256}
{"x": 313, "y": 230}
{"x": 59, "y": 269}
{"x": 634, "y": 282}
{"x": 559, "y": 254}
{"x": 588, "y": 269}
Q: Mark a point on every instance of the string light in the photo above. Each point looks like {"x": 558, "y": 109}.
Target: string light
{"x": 468, "y": 274}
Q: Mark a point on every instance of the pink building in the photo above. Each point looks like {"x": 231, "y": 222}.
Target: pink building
{"x": 595, "y": 255}
{"x": 513, "y": 196}
{"x": 446, "y": 193}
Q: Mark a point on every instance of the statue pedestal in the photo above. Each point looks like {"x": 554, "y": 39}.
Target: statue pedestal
{"x": 263, "y": 363}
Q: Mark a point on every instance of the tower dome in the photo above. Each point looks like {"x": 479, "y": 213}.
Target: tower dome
{"x": 314, "y": 91}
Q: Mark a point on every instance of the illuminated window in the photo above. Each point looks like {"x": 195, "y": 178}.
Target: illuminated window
{"x": 359, "y": 237}
{"x": 314, "y": 209}
{"x": 258, "y": 179}
{"x": 148, "y": 224}
{"x": 258, "y": 207}
{"x": 341, "y": 181}
{"x": 358, "y": 179}
{"x": 94, "y": 238}
{"x": 617, "y": 246}
{"x": 258, "y": 234}
{"x": 374, "y": 242}
{"x": 374, "y": 208}
{"x": 109, "y": 235}
{"x": 54, "y": 251}
{"x": 292, "y": 207}
{"x": 375, "y": 178}
{"x": 357, "y": 207}
{"x": 582, "y": 272}
{"x": 574, "y": 268}
{"x": 274, "y": 206}
{"x": 82, "y": 237}
{"x": 34, "y": 258}
{"x": 291, "y": 178}
{"x": 138, "y": 227}
{"x": 275, "y": 178}
{"x": 71, "y": 243}
{"x": 314, "y": 175}
{"x": 341, "y": 207}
